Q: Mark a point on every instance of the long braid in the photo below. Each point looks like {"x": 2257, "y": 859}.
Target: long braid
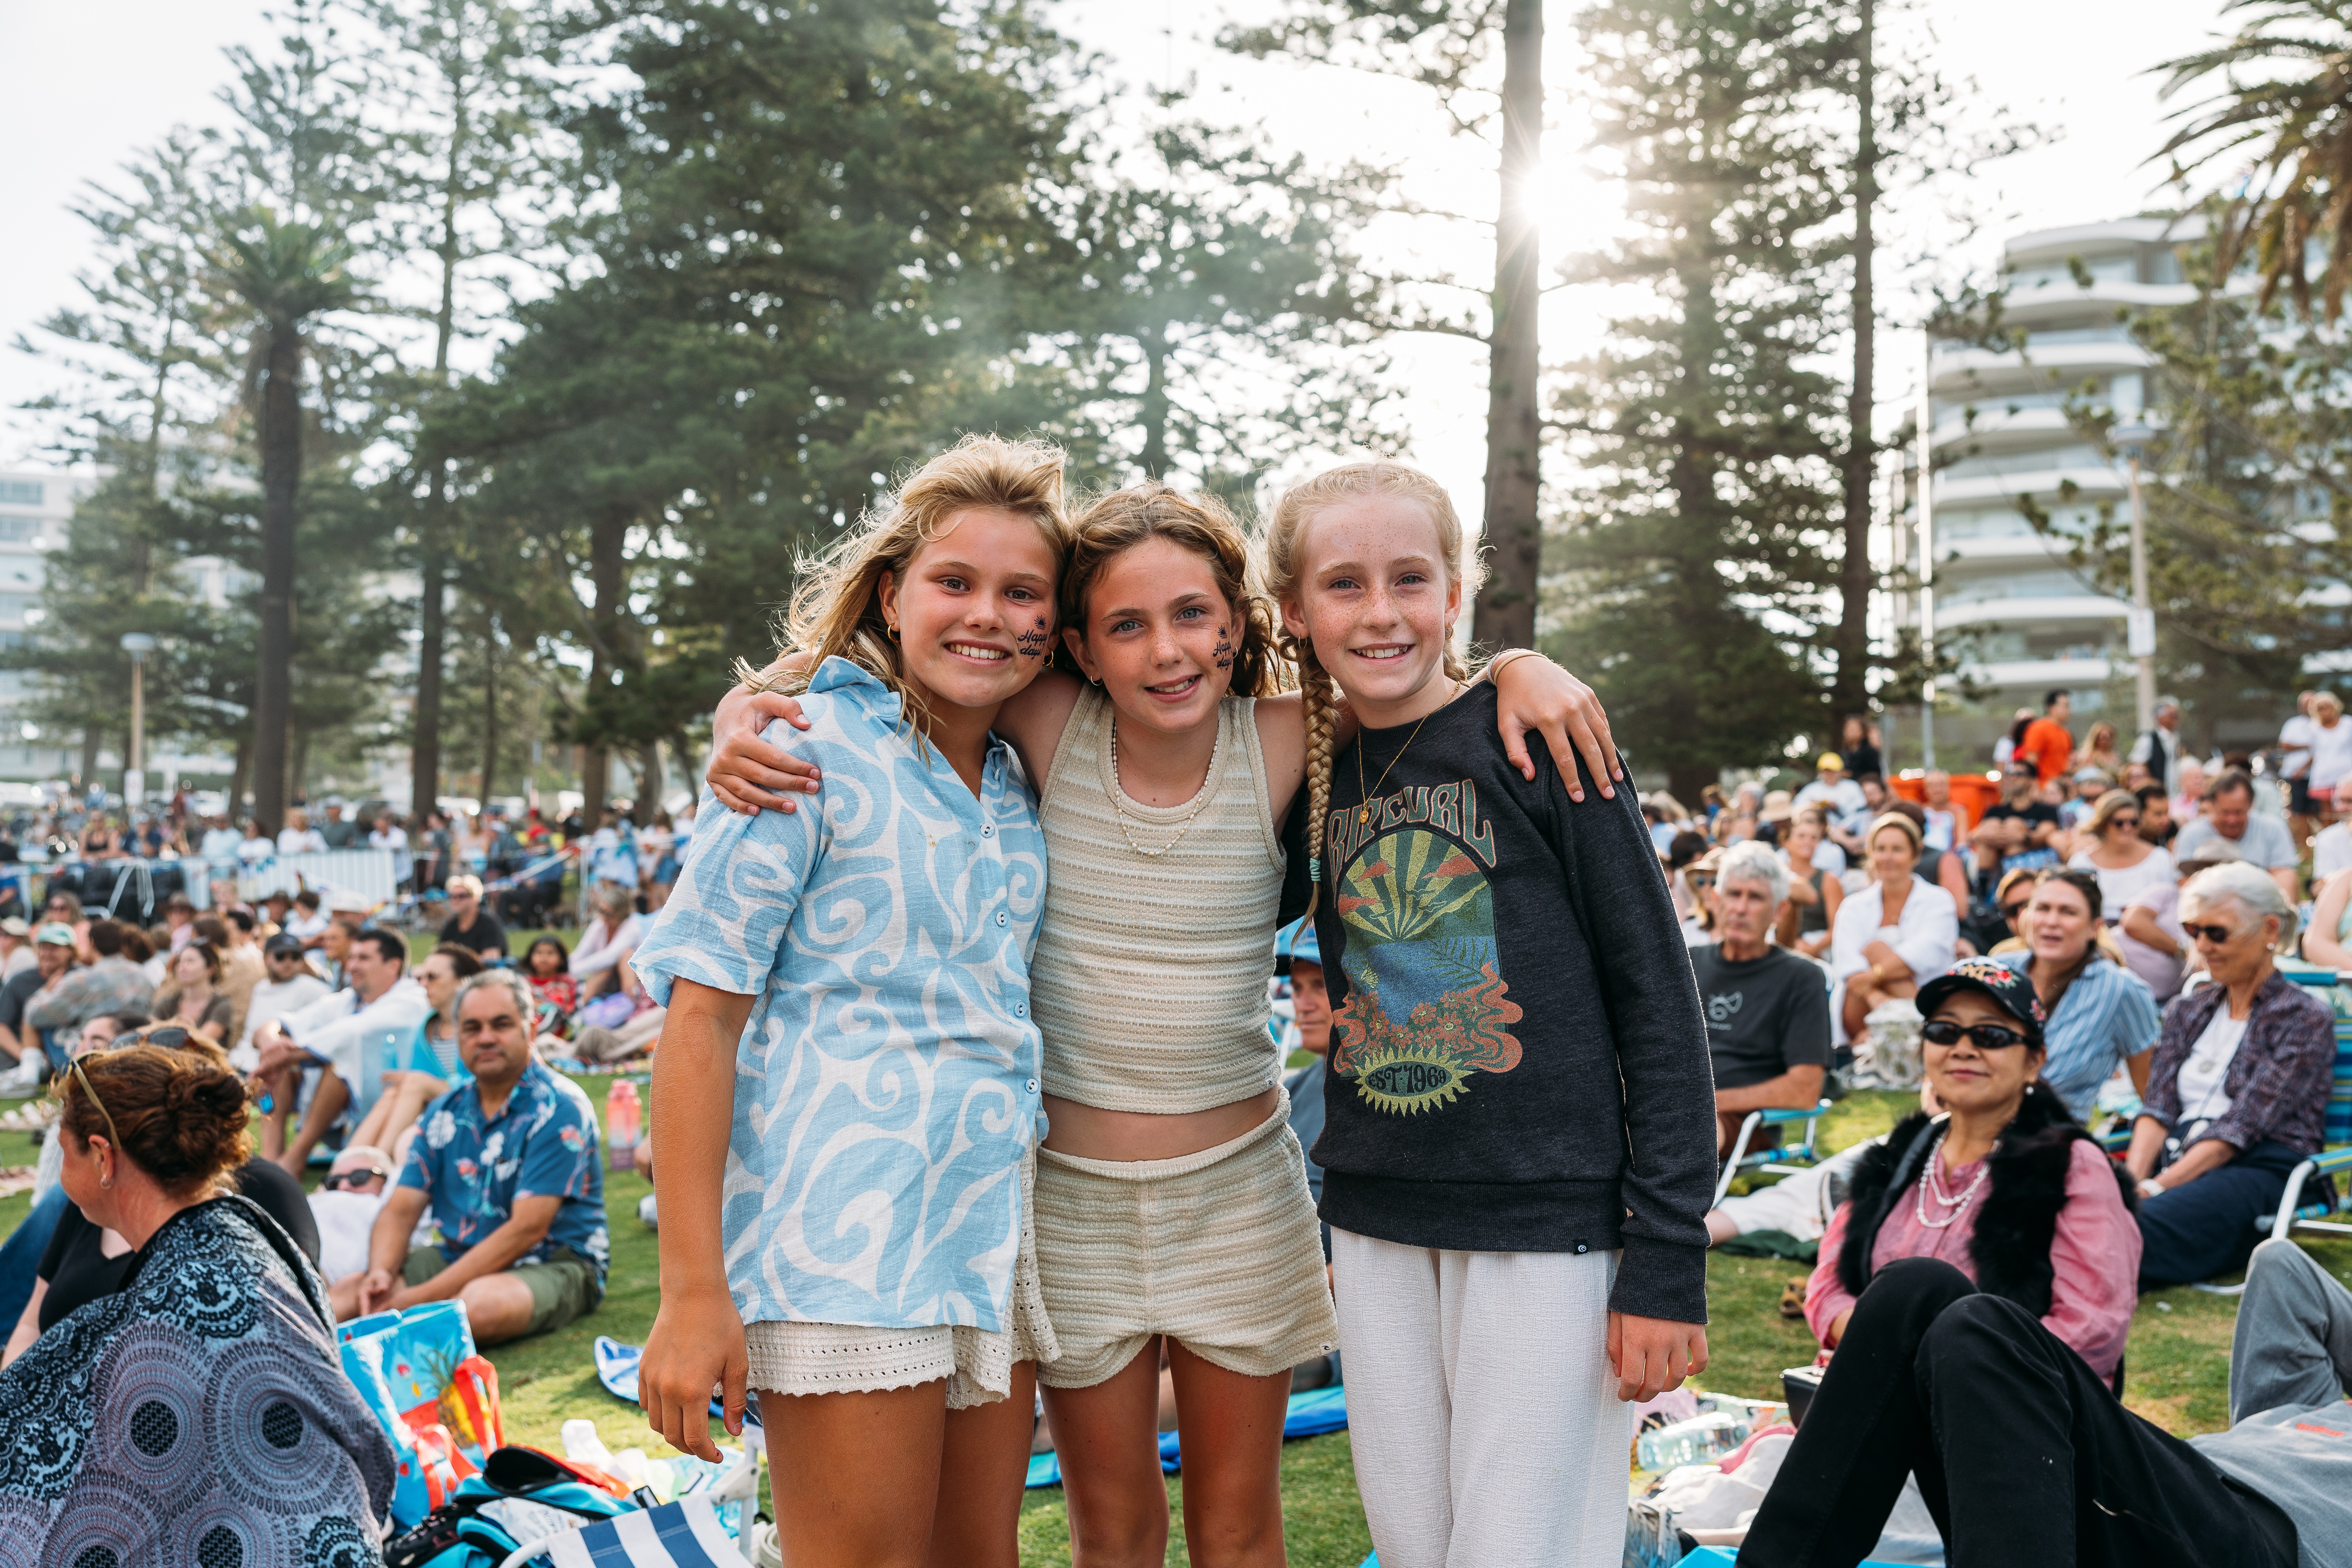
{"x": 1315, "y": 692}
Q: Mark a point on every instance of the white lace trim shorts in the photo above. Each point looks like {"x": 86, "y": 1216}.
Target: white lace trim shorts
{"x": 1220, "y": 1249}
{"x": 847, "y": 1358}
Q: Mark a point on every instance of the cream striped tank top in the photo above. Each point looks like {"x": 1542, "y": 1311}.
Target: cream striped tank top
{"x": 1149, "y": 974}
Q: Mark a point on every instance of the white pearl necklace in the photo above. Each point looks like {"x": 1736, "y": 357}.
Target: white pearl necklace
{"x": 1932, "y": 1179}
{"x": 1118, "y": 795}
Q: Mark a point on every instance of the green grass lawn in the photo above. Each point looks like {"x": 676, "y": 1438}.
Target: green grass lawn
{"x": 2177, "y": 1363}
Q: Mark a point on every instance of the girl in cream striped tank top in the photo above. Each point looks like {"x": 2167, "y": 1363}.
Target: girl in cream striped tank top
{"x": 1184, "y": 931}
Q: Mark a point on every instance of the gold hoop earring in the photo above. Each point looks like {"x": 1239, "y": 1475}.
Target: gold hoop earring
{"x": 892, "y": 630}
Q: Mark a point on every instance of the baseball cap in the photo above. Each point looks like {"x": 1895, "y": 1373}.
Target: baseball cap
{"x": 2008, "y": 990}
{"x": 282, "y": 945}
{"x": 15, "y": 926}
{"x": 1831, "y": 763}
{"x": 57, "y": 934}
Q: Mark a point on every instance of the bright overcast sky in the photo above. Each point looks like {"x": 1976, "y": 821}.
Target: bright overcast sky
{"x": 98, "y": 80}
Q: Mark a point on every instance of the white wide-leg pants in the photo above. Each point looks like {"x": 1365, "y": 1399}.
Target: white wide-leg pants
{"x": 1481, "y": 1406}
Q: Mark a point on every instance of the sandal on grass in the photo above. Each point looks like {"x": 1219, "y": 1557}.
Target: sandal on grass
{"x": 1792, "y": 1299}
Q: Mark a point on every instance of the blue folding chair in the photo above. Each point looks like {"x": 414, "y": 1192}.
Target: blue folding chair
{"x": 2336, "y": 1133}
{"x": 1785, "y": 1159}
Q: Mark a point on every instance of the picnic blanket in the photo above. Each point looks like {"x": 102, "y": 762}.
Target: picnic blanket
{"x": 1310, "y": 1415}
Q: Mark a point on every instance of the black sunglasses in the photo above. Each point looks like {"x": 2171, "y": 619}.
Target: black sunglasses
{"x": 170, "y": 1038}
{"x": 2123, "y": 822}
{"x": 1984, "y": 1037}
{"x": 342, "y": 1181}
{"x": 2011, "y": 911}
{"x": 2220, "y": 936}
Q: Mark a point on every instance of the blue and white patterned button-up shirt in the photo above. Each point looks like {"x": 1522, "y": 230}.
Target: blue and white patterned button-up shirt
{"x": 886, "y": 1089}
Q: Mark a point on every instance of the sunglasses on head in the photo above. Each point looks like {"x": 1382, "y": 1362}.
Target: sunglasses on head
{"x": 2220, "y": 936}
{"x": 1984, "y": 1037}
{"x": 170, "y": 1038}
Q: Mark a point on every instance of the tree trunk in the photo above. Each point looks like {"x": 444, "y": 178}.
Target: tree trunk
{"x": 88, "y": 759}
{"x": 608, "y": 537}
{"x": 239, "y": 773}
{"x": 432, "y": 620}
{"x": 1506, "y": 611}
{"x": 281, "y": 476}
{"x": 1156, "y": 407}
{"x": 650, "y": 784}
{"x": 489, "y": 713}
{"x": 1851, "y": 692}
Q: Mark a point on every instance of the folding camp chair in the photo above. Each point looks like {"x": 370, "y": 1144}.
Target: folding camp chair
{"x": 1784, "y": 1161}
{"x": 683, "y": 1535}
{"x": 2335, "y": 1132}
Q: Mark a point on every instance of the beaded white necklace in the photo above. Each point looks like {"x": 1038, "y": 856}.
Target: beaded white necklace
{"x": 1118, "y": 795}
{"x": 1931, "y": 1180}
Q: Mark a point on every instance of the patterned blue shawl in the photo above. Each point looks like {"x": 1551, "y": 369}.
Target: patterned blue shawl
{"x": 199, "y": 1415}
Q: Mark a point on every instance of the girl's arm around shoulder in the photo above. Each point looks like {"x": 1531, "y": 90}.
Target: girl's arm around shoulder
{"x": 1033, "y": 718}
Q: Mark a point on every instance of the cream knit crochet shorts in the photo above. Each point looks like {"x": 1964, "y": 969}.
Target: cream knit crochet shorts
{"x": 1220, "y": 1249}
{"x": 844, "y": 1357}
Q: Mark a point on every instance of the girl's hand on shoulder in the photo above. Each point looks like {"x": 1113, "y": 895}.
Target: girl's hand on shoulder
{"x": 1652, "y": 1355}
{"x": 1537, "y": 694}
{"x": 746, "y": 773}
{"x": 697, "y": 1346}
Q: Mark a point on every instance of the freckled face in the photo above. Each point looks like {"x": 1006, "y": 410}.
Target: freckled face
{"x": 1159, "y": 635}
{"x": 1379, "y": 601}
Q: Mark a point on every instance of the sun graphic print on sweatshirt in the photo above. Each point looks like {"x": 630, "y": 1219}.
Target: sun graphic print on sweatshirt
{"x": 1427, "y": 1004}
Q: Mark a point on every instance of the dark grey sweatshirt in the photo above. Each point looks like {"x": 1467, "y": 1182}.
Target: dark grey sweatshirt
{"x": 1519, "y": 1063}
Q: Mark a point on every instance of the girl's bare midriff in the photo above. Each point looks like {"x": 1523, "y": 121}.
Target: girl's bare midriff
{"x": 1091, "y": 1133}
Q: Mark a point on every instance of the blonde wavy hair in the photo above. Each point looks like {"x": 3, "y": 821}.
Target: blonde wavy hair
{"x": 1286, "y": 569}
{"x": 1118, "y": 521}
{"x": 837, "y": 607}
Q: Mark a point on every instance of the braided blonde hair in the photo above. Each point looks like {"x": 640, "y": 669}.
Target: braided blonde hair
{"x": 1285, "y": 560}
{"x": 836, "y": 607}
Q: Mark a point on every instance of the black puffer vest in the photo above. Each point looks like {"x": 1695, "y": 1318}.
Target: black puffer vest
{"x": 2016, "y": 1218}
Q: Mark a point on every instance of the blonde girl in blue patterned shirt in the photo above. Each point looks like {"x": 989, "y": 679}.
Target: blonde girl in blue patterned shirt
{"x": 853, "y": 1241}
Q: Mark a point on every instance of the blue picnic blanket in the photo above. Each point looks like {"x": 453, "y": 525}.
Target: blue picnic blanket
{"x": 616, "y": 1369}
{"x": 1311, "y": 1415}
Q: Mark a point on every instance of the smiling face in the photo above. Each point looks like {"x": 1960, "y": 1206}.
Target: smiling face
{"x": 1158, "y": 635}
{"x": 1967, "y": 1078}
{"x": 1891, "y": 855}
{"x": 1380, "y": 599}
{"x": 974, "y": 609}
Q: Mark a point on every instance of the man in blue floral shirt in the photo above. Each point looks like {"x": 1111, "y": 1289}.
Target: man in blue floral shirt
{"x": 508, "y": 1164}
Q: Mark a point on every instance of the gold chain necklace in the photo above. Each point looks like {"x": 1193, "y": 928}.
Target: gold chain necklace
{"x": 1119, "y": 794}
{"x": 1364, "y": 808}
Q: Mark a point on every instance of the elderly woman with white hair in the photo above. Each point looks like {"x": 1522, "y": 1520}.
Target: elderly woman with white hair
{"x": 2237, "y": 1088}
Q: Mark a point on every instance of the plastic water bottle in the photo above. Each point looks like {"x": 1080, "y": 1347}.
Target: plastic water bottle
{"x": 624, "y": 1123}
{"x": 1701, "y": 1440}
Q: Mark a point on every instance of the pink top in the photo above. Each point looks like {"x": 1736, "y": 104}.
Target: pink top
{"x": 2094, "y": 1256}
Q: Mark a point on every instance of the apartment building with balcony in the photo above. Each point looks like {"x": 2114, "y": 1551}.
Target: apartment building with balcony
{"x": 2000, "y": 591}
{"x": 36, "y": 505}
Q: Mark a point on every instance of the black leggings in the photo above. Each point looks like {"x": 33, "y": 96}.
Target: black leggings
{"x": 2023, "y": 1454}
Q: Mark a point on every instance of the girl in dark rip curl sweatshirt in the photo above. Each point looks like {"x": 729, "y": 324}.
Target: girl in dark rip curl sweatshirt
{"x": 1519, "y": 1142}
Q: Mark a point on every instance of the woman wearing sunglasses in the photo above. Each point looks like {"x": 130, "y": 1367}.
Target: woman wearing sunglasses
{"x": 2238, "y": 1091}
{"x": 2125, "y": 863}
{"x": 199, "y": 1413}
{"x": 2005, "y": 1185}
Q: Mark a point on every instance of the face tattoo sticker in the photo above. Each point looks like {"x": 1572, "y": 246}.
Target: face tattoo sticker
{"x": 1033, "y": 643}
{"x": 1224, "y": 651}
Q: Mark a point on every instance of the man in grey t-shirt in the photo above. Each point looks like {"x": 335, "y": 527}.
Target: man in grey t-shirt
{"x": 2229, "y": 828}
